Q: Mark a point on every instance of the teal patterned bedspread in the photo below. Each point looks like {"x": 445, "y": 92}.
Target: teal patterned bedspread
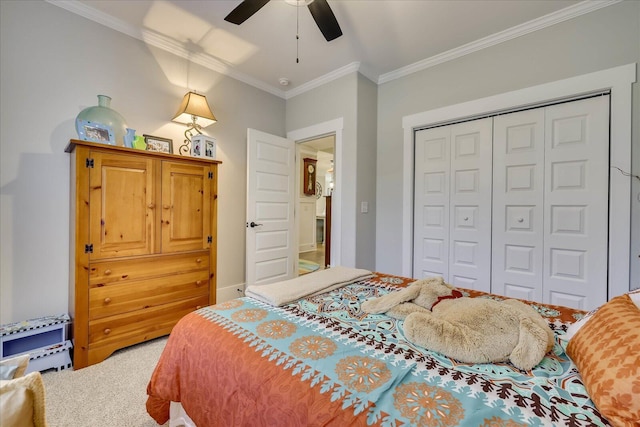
{"x": 365, "y": 362}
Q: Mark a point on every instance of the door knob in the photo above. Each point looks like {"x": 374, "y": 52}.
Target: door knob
{"x": 253, "y": 224}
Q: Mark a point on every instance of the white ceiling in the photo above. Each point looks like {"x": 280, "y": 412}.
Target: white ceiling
{"x": 383, "y": 39}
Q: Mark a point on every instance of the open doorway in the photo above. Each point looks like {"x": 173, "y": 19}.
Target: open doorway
{"x": 314, "y": 206}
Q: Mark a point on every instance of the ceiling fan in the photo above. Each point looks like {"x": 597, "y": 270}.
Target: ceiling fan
{"x": 320, "y": 10}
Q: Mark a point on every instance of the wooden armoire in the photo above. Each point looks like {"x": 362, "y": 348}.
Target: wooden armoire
{"x": 143, "y": 244}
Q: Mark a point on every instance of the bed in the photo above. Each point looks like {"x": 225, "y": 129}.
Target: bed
{"x": 322, "y": 361}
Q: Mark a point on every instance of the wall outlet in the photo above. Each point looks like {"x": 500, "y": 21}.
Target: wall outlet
{"x": 364, "y": 207}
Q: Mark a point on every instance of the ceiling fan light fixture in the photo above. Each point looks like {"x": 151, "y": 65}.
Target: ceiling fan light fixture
{"x": 298, "y": 3}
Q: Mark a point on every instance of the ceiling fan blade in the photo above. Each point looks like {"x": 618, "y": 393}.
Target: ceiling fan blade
{"x": 244, "y": 11}
{"x": 326, "y": 20}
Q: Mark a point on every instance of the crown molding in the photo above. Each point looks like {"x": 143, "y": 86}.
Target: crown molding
{"x": 163, "y": 42}
{"x": 335, "y": 74}
{"x": 548, "y": 20}
{"x": 168, "y": 44}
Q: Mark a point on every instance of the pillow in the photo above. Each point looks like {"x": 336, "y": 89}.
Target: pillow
{"x": 17, "y": 363}
{"x": 574, "y": 327}
{"x": 22, "y": 401}
{"x": 635, "y": 297}
{"x": 7, "y": 371}
{"x": 606, "y": 351}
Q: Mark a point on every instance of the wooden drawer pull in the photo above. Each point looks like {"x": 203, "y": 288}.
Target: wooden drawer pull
{"x": 198, "y": 282}
{"x": 198, "y": 260}
{"x": 107, "y": 272}
{"x": 107, "y": 300}
{"x": 107, "y": 331}
{"x": 151, "y": 206}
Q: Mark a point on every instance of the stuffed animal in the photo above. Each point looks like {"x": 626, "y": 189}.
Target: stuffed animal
{"x": 471, "y": 330}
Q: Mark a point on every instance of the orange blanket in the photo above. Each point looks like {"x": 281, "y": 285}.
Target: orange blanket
{"x": 321, "y": 361}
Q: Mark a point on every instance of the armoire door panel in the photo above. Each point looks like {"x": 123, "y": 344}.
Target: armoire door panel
{"x": 122, "y": 206}
{"x": 518, "y": 174}
{"x": 186, "y": 205}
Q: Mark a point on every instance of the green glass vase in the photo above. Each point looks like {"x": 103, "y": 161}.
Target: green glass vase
{"x": 103, "y": 114}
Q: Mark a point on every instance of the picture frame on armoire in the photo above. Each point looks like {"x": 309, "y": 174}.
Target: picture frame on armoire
{"x": 309, "y": 177}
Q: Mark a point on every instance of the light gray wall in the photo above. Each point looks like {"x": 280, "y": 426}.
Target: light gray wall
{"x": 354, "y": 99}
{"x": 596, "y": 41}
{"x": 334, "y": 100}
{"x": 366, "y": 191}
{"x": 52, "y": 65}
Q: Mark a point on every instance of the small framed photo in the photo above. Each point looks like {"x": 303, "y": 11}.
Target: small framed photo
{"x": 95, "y": 132}
{"x": 203, "y": 146}
{"x": 160, "y": 145}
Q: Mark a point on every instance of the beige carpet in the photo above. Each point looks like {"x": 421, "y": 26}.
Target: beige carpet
{"x": 111, "y": 393}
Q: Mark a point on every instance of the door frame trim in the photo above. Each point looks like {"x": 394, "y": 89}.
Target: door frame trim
{"x": 338, "y": 205}
{"x": 619, "y": 80}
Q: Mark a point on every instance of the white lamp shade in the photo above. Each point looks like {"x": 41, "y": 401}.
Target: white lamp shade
{"x": 194, "y": 104}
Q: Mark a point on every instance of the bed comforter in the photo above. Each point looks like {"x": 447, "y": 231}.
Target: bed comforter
{"x": 321, "y": 361}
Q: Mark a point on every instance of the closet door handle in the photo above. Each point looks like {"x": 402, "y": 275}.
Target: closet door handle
{"x": 520, "y": 219}
{"x": 253, "y": 224}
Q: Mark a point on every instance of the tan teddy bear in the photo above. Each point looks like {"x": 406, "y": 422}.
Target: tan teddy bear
{"x": 472, "y": 330}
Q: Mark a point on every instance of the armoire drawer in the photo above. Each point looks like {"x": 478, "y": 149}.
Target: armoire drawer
{"x": 129, "y": 328}
{"x": 105, "y": 272}
{"x": 122, "y": 297}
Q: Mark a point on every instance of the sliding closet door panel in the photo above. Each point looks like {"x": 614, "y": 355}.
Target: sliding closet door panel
{"x": 576, "y": 203}
{"x": 470, "y": 205}
{"x": 431, "y": 204}
{"x": 518, "y": 189}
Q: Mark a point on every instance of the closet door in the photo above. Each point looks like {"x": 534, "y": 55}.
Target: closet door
{"x": 518, "y": 189}
{"x": 431, "y": 203}
{"x": 470, "y": 205}
{"x": 576, "y": 203}
{"x": 452, "y": 204}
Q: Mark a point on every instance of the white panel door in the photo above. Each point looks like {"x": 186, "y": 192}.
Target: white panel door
{"x": 576, "y": 203}
{"x": 271, "y": 248}
{"x": 431, "y": 203}
{"x": 518, "y": 189}
{"x": 452, "y": 204}
{"x": 470, "y": 205}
